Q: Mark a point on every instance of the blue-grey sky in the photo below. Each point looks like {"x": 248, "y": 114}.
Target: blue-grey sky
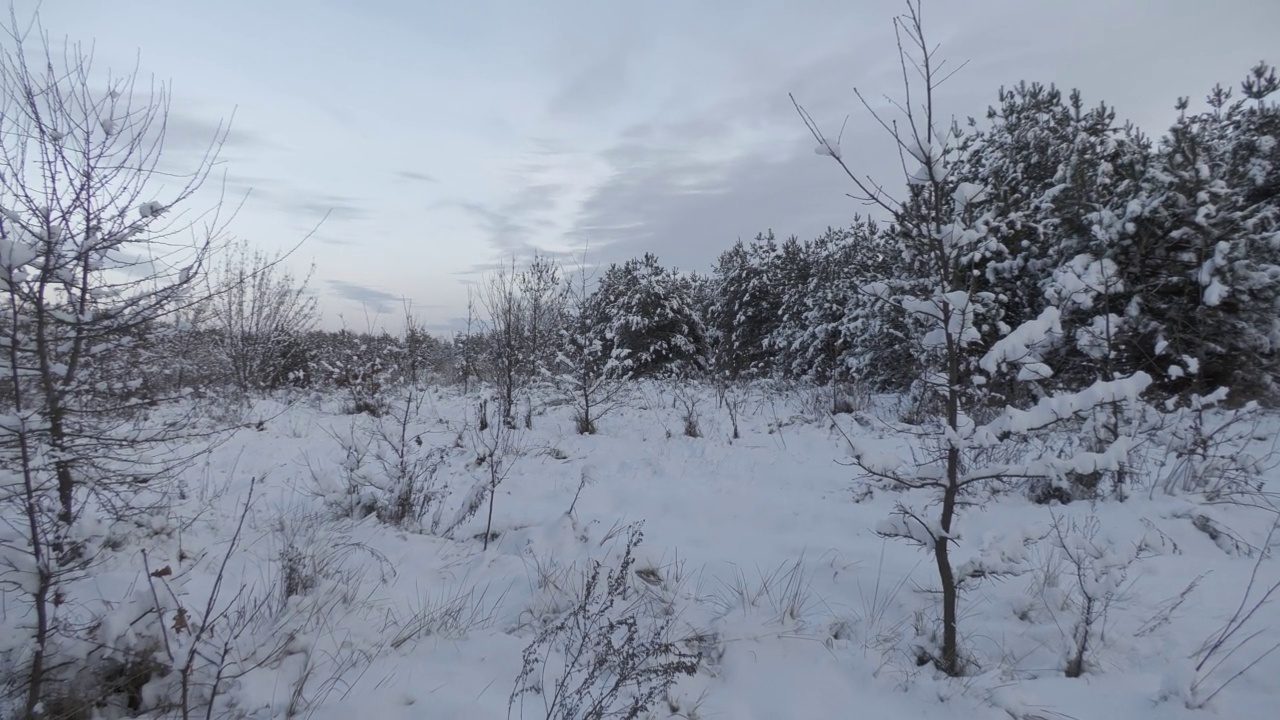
{"x": 443, "y": 136}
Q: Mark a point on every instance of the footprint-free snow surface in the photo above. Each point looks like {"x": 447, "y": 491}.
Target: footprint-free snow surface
{"x": 760, "y": 552}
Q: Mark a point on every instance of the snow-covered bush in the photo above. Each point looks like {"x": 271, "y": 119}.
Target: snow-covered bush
{"x": 314, "y": 556}
{"x": 259, "y": 314}
{"x": 1215, "y": 452}
{"x": 1093, "y": 578}
{"x": 687, "y": 398}
{"x": 602, "y": 657}
{"x": 497, "y": 447}
{"x": 1231, "y": 651}
{"x": 390, "y": 468}
{"x": 359, "y": 366}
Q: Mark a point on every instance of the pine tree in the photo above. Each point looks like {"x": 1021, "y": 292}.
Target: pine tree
{"x": 1209, "y": 264}
{"x": 746, "y": 313}
{"x": 653, "y": 327}
{"x": 1050, "y": 170}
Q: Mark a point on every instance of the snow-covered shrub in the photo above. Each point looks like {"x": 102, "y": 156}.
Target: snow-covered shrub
{"x": 359, "y": 366}
{"x": 601, "y": 657}
{"x": 1237, "y": 648}
{"x": 497, "y": 446}
{"x": 259, "y": 314}
{"x": 1213, "y": 451}
{"x": 390, "y": 468}
{"x": 313, "y": 555}
{"x": 686, "y": 396}
{"x": 734, "y": 398}
{"x": 1091, "y": 579}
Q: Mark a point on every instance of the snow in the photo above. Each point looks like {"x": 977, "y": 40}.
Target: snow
{"x": 967, "y": 193}
{"x": 14, "y": 255}
{"x": 828, "y": 148}
{"x": 769, "y": 548}
{"x": 1023, "y": 344}
{"x": 1215, "y": 293}
{"x": 1081, "y": 280}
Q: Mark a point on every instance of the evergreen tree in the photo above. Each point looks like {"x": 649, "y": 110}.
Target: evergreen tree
{"x": 653, "y": 327}
{"x": 1207, "y": 271}
{"x": 746, "y": 313}
{"x": 1049, "y": 169}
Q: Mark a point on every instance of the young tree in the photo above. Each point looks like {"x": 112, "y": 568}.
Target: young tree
{"x": 506, "y": 327}
{"x": 746, "y": 312}
{"x": 942, "y": 227}
{"x": 466, "y": 345}
{"x": 585, "y": 372}
{"x": 545, "y": 295}
{"x": 95, "y": 258}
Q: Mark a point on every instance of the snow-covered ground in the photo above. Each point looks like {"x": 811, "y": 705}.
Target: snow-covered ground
{"x": 761, "y": 550}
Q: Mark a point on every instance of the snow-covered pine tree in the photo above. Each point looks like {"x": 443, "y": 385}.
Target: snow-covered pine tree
{"x": 653, "y": 328}
{"x": 747, "y": 308}
{"x": 1211, "y": 286}
{"x": 585, "y": 372}
{"x": 1049, "y": 167}
{"x": 831, "y": 332}
{"x": 545, "y": 293}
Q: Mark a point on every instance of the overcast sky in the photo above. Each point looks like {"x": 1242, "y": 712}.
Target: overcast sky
{"x": 442, "y": 136}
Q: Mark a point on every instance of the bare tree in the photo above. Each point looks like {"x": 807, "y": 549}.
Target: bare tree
{"x": 925, "y": 217}
{"x": 96, "y": 256}
{"x": 260, "y": 313}
{"x": 465, "y": 344}
{"x": 506, "y": 328}
{"x": 545, "y": 296}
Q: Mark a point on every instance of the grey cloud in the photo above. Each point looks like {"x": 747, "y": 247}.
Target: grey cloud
{"x": 501, "y": 229}
{"x": 295, "y": 200}
{"x": 379, "y": 301}
{"x": 688, "y": 214}
{"x": 667, "y": 197}
{"x": 185, "y": 132}
{"x": 467, "y": 275}
{"x": 335, "y": 207}
{"x": 333, "y": 241}
{"x": 511, "y": 227}
{"x": 240, "y": 186}
{"x": 601, "y": 84}
{"x": 416, "y": 176}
